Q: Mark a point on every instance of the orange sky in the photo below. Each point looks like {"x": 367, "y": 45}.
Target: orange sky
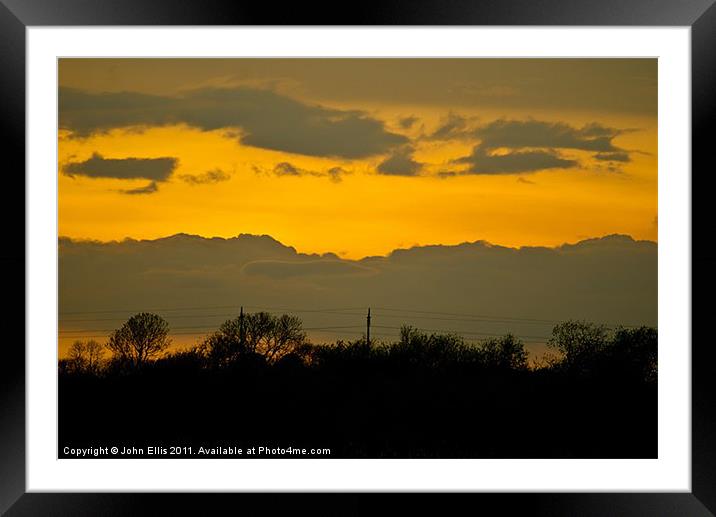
{"x": 367, "y": 212}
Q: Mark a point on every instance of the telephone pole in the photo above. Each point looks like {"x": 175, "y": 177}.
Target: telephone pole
{"x": 367, "y": 332}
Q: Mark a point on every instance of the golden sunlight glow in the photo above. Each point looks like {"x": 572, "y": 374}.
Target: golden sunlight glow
{"x": 365, "y": 213}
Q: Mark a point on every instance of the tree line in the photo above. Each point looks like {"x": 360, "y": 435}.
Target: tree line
{"x": 261, "y": 338}
{"x": 258, "y": 378}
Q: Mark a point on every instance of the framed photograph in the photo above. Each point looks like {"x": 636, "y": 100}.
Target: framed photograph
{"x": 429, "y": 248}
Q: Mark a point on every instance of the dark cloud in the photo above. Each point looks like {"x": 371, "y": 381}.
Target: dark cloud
{"x": 608, "y": 167}
{"x": 526, "y": 181}
{"x": 453, "y": 127}
{"x": 480, "y": 162}
{"x": 400, "y": 163}
{"x": 150, "y": 188}
{"x": 286, "y": 169}
{"x": 212, "y": 176}
{"x": 407, "y": 122}
{"x": 265, "y": 119}
{"x": 613, "y": 157}
{"x": 155, "y": 169}
{"x": 593, "y": 85}
{"x": 532, "y": 145}
{"x": 335, "y": 174}
{"x": 534, "y": 133}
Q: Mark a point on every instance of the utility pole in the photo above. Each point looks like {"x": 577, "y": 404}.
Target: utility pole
{"x": 367, "y": 332}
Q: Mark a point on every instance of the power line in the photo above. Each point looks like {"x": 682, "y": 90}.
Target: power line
{"x": 420, "y": 315}
{"x": 433, "y": 315}
{"x": 193, "y": 316}
{"x": 120, "y": 318}
{"x": 329, "y": 310}
{"x": 110, "y": 311}
{"x": 467, "y": 320}
{"x": 448, "y": 331}
{"x": 475, "y": 316}
{"x": 171, "y": 309}
{"x": 206, "y": 327}
{"x": 356, "y": 332}
{"x": 211, "y": 327}
{"x": 393, "y": 316}
{"x": 480, "y": 317}
{"x": 93, "y": 333}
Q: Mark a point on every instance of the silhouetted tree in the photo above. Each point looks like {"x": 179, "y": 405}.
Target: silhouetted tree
{"x": 181, "y": 362}
{"x": 579, "y": 342}
{"x": 429, "y": 350}
{"x": 635, "y": 350}
{"x": 342, "y": 354}
{"x": 257, "y": 327}
{"x": 85, "y": 357}
{"x": 222, "y": 347}
{"x": 506, "y": 352}
{"x": 260, "y": 334}
{"x": 142, "y": 338}
{"x": 409, "y": 334}
{"x": 284, "y": 337}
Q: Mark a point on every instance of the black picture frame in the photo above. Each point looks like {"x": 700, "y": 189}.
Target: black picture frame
{"x": 17, "y": 15}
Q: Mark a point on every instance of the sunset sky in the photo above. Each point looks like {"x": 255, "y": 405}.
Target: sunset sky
{"x": 359, "y": 156}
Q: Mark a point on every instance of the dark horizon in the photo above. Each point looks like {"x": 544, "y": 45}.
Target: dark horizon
{"x": 258, "y": 378}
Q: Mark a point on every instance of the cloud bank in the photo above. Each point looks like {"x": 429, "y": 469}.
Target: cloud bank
{"x": 611, "y": 279}
{"x": 263, "y": 118}
{"x": 530, "y": 145}
{"x": 535, "y": 133}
